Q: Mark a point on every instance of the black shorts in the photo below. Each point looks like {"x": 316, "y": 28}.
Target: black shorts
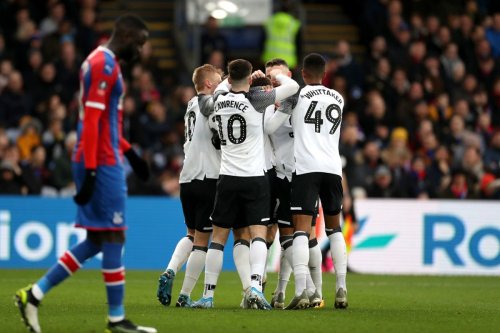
{"x": 197, "y": 198}
{"x": 307, "y": 187}
{"x": 283, "y": 190}
{"x": 241, "y": 196}
{"x": 273, "y": 196}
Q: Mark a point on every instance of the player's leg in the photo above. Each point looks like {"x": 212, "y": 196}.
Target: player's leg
{"x": 241, "y": 255}
{"x": 331, "y": 198}
{"x": 284, "y": 219}
{"x": 213, "y": 266}
{"x": 305, "y": 189}
{"x": 194, "y": 267}
{"x": 223, "y": 217}
{"x": 256, "y": 203}
{"x": 28, "y": 299}
{"x": 113, "y": 271}
{"x": 184, "y": 246}
{"x": 315, "y": 259}
{"x": 204, "y": 204}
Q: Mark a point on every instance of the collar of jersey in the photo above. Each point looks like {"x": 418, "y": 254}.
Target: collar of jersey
{"x": 105, "y": 49}
{"x": 238, "y": 92}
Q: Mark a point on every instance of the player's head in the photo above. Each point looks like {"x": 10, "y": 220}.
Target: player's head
{"x": 277, "y": 64}
{"x": 206, "y": 78}
{"x": 261, "y": 82}
{"x": 129, "y": 35}
{"x": 313, "y": 68}
{"x": 240, "y": 71}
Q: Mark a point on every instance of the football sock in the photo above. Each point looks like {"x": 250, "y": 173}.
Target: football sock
{"x": 285, "y": 267}
{"x": 315, "y": 259}
{"x": 339, "y": 257}
{"x": 258, "y": 256}
{"x": 310, "y": 288}
{"x": 114, "y": 278}
{"x": 213, "y": 266}
{"x": 67, "y": 264}
{"x": 300, "y": 260}
{"x": 194, "y": 267}
{"x": 284, "y": 274}
{"x": 181, "y": 254}
{"x": 241, "y": 255}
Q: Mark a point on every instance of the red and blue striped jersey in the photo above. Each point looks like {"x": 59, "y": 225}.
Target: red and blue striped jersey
{"x": 102, "y": 88}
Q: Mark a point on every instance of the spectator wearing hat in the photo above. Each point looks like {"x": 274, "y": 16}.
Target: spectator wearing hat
{"x": 383, "y": 185}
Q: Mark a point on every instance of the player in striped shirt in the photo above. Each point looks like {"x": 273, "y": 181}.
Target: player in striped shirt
{"x": 98, "y": 170}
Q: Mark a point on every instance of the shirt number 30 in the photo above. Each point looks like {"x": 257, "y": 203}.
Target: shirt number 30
{"x": 333, "y": 115}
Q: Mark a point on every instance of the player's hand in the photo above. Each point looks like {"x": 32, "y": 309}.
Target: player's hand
{"x": 258, "y": 73}
{"x": 139, "y": 165}
{"x": 85, "y": 194}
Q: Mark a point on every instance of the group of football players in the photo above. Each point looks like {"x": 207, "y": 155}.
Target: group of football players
{"x": 260, "y": 154}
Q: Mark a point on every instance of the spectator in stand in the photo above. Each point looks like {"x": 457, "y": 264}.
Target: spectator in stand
{"x": 492, "y": 155}
{"x": 14, "y": 102}
{"x": 493, "y": 35}
{"x": 212, "y": 39}
{"x": 461, "y": 186}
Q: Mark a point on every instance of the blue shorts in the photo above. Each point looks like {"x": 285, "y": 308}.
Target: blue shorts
{"x": 106, "y": 209}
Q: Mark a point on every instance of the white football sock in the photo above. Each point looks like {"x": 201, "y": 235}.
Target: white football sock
{"x": 181, "y": 254}
{"x": 300, "y": 260}
{"x": 284, "y": 275}
{"x": 241, "y": 255}
{"x": 315, "y": 259}
{"x": 213, "y": 266}
{"x": 37, "y": 292}
{"x": 194, "y": 267}
{"x": 310, "y": 287}
{"x": 258, "y": 256}
{"x": 339, "y": 256}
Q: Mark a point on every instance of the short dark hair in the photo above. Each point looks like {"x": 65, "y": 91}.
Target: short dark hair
{"x": 261, "y": 82}
{"x": 239, "y": 69}
{"x": 314, "y": 64}
{"x": 129, "y": 22}
{"x": 276, "y": 62}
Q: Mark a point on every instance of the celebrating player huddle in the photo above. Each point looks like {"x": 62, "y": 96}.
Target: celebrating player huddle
{"x": 260, "y": 155}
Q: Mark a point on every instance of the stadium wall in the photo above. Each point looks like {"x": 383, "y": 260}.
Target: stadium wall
{"x": 392, "y": 237}
{"x": 35, "y": 231}
{"x": 450, "y": 237}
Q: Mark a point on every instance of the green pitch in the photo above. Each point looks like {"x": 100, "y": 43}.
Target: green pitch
{"x": 376, "y": 304}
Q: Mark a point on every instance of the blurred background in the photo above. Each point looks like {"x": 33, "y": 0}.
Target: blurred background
{"x": 421, "y": 82}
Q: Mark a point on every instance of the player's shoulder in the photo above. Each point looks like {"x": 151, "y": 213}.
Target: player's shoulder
{"x": 102, "y": 60}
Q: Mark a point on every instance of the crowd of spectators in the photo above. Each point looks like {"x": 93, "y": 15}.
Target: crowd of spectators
{"x": 422, "y": 114}
{"x": 42, "y": 45}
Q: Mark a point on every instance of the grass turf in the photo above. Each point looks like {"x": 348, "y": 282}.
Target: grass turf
{"x": 377, "y": 303}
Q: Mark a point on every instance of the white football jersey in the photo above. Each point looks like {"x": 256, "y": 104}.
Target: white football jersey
{"x": 239, "y": 119}
{"x": 268, "y": 148}
{"x": 282, "y": 142}
{"x": 201, "y": 159}
{"x": 316, "y": 120}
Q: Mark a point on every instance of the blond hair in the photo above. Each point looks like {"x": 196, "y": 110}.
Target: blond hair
{"x": 201, "y": 73}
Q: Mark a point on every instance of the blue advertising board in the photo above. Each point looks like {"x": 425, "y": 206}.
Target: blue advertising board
{"x": 35, "y": 231}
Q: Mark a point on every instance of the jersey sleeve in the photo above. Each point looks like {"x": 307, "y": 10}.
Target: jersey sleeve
{"x": 206, "y": 104}
{"x": 102, "y": 79}
{"x": 261, "y": 98}
{"x": 124, "y": 144}
{"x": 90, "y": 136}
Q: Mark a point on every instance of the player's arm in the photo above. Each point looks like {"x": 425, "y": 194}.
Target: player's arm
{"x": 273, "y": 120}
{"x": 206, "y": 104}
{"x": 263, "y": 98}
{"x": 138, "y": 164}
{"x": 95, "y": 105}
{"x": 287, "y": 88}
{"x": 90, "y": 138}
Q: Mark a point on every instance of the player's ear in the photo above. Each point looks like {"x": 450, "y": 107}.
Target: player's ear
{"x": 250, "y": 80}
{"x": 208, "y": 84}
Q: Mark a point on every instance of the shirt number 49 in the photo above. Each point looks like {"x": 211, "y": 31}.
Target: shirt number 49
{"x": 333, "y": 115}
